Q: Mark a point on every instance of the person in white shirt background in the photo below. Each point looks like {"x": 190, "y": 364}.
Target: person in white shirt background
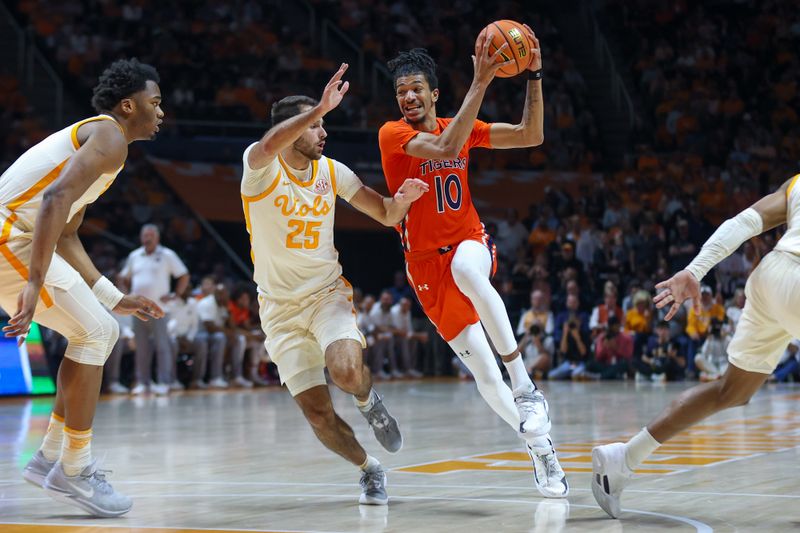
{"x": 148, "y": 272}
{"x": 380, "y": 317}
{"x": 185, "y": 336}
{"x": 213, "y": 313}
{"x": 406, "y": 339}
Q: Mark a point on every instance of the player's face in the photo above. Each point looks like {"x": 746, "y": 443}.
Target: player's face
{"x": 312, "y": 142}
{"x": 146, "y": 112}
{"x": 415, "y": 98}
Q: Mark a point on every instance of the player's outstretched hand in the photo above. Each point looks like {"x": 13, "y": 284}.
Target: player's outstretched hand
{"x": 676, "y": 290}
{"x": 411, "y": 190}
{"x": 334, "y": 90}
{"x": 536, "y": 51}
{"x": 485, "y": 62}
{"x": 142, "y": 308}
{"x": 20, "y": 323}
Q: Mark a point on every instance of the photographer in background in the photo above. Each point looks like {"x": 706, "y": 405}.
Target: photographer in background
{"x": 712, "y": 360}
{"x": 613, "y": 353}
{"x": 572, "y": 328}
{"x": 663, "y": 359}
{"x": 537, "y": 349}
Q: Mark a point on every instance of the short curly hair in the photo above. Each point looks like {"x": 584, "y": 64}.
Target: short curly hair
{"x": 414, "y": 61}
{"x": 120, "y": 80}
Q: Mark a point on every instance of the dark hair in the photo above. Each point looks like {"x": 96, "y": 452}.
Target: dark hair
{"x": 120, "y": 80}
{"x": 238, "y": 290}
{"x": 414, "y": 61}
{"x": 286, "y": 108}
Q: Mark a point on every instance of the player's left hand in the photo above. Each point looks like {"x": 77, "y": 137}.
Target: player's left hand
{"x": 536, "y": 51}
{"x": 676, "y": 290}
{"x": 411, "y": 189}
{"x": 142, "y": 308}
{"x": 20, "y": 323}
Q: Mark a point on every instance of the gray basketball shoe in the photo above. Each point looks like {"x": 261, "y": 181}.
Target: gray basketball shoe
{"x": 37, "y": 469}
{"x": 88, "y": 490}
{"x": 534, "y": 416}
{"x": 384, "y": 425}
{"x": 373, "y": 488}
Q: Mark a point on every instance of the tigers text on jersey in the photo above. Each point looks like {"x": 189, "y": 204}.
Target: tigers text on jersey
{"x": 444, "y": 216}
{"x": 22, "y": 186}
{"x": 289, "y": 215}
{"x": 790, "y": 242}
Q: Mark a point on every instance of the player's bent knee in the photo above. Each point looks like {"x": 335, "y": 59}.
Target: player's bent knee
{"x": 319, "y": 416}
{"x": 92, "y": 347}
{"x": 346, "y": 376}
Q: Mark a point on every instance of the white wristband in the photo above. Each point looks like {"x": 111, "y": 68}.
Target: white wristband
{"x": 726, "y": 240}
{"x": 106, "y": 293}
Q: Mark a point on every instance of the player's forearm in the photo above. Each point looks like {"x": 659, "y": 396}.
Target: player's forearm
{"x": 727, "y": 239}
{"x": 457, "y": 132}
{"x": 284, "y": 134}
{"x": 532, "y": 124}
{"x": 394, "y": 211}
{"x": 50, "y": 221}
{"x": 71, "y": 249}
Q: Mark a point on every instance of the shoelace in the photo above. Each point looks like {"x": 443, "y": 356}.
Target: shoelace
{"x": 528, "y": 401}
{"x": 377, "y": 418}
{"x": 372, "y": 480}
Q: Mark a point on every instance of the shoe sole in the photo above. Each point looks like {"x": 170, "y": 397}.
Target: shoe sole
{"x": 33, "y": 478}
{"x": 93, "y": 510}
{"x": 600, "y": 495}
{"x": 368, "y": 500}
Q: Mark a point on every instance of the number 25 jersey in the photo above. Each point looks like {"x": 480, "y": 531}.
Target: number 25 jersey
{"x": 289, "y": 215}
{"x": 444, "y": 215}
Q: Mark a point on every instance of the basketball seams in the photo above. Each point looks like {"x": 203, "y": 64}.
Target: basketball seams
{"x": 510, "y": 45}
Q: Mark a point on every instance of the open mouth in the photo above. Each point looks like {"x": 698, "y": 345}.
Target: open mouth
{"x": 412, "y": 109}
{"x": 321, "y": 145}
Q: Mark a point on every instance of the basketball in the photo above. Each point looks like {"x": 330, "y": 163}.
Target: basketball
{"x": 519, "y": 46}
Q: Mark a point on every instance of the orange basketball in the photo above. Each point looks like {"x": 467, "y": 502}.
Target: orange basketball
{"x": 519, "y": 46}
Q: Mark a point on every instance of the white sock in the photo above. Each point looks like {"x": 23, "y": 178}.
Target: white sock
{"x": 370, "y": 464}
{"x": 474, "y": 351}
{"x": 639, "y": 448}
{"x": 77, "y": 451}
{"x": 519, "y": 376}
{"x": 53, "y": 439}
{"x": 367, "y": 404}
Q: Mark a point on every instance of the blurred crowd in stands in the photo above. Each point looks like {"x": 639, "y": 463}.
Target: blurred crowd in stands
{"x": 717, "y": 127}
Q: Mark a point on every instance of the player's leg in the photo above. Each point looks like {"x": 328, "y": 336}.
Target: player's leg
{"x": 91, "y": 333}
{"x": 312, "y": 395}
{"x": 754, "y": 352}
{"x": 334, "y": 326}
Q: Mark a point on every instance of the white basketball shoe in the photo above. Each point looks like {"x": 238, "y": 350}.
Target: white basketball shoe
{"x": 610, "y": 475}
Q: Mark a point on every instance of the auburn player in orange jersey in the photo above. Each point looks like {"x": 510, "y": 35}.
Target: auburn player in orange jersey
{"x": 449, "y": 257}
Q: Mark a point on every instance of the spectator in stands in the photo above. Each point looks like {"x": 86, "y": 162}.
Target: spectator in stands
{"x": 247, "y": 330}
{"x": 663, "y": 358}
{"x": 148, "y": 272}
{"x": 401, "y": 289}
{"x": 383, "y": 329}
{"x": 184, "y": 329}
{"x": 734, "y": 311}
{"x": 539, "y": 313}
{"x": 789, "y": 365}
{"x": 712, "y": 359}
{"x": 407, "y": 341}
{"x": 639, "y": 320}
{"x": 213, "y": 313}
{"x": 538, "y": 349}
{"x": 604, "y": 311}
{"x": 572, "y": 330}
{"x": 511, "y": 234}
{"x": 698, "y": 324}
{"x": 613, "y": 353}
{"x": 683, "y": 249}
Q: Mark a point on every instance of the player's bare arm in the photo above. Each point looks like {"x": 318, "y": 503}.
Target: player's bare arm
{"x": 284, "y": 134}
{"x": 389, "y": 211}
{"x": 530, "y": 130}
{"x": 449, "y": 143}
{"x": 765, "y": 214}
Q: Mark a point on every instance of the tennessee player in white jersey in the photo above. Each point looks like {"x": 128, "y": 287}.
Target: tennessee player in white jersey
{"x": 46, "y": 275}
{"x": 768, "y": 322}
{"x": 289, "y": 194}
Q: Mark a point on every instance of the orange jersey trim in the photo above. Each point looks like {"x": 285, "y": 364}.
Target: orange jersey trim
{"x": 791, "y": 185}
{"x": 246, "y": 201}
{"x": 314, "y": 168}
{"x": 74, "y": 132}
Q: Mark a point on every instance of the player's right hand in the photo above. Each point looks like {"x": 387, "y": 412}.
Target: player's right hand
{"x": 20, "y": 323}
{"x": 334, "y": 90}
{"x": 485, "y": 62}
{"x": 142, "y": 308}
{"x": 676, "y": 290}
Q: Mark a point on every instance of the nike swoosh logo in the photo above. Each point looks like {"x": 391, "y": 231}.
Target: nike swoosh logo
{"x": 85, "y": 493}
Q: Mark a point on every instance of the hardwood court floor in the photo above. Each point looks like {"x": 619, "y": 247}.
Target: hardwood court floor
{"x": 246, "y": 461}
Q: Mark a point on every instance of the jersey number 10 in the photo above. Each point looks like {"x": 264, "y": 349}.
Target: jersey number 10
{"x": 449, "y": 192}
